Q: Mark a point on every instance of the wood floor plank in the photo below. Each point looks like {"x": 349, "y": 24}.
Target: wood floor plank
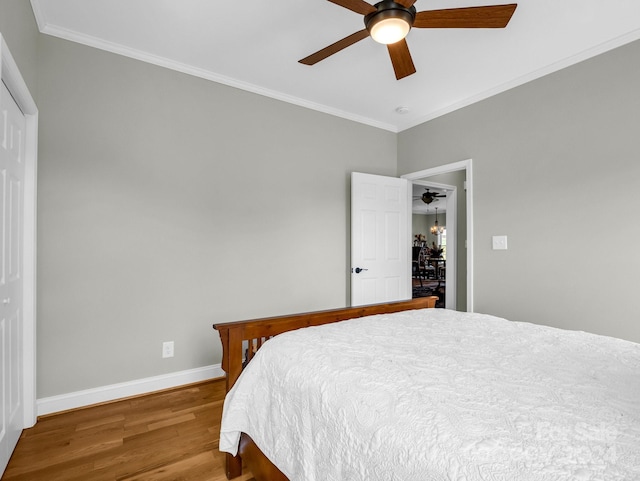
{"x": 172, "y": 421}
{"x": 171, "y": 435}
{"x": 116, "y": 418}
{"x": 199, "y": 464}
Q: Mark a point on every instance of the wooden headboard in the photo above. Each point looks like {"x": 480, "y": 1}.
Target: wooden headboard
{"x": 256, "y": 331}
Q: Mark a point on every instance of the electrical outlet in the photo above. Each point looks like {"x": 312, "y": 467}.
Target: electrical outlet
{"x": 499, "y": 242}
{"x": 167, "y": 349}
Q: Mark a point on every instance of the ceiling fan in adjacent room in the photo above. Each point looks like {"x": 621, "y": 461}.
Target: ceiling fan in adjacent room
{"x": 428, "y": 196}
{"x": 389, "y": 22}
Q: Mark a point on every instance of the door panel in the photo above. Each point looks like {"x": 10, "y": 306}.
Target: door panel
{"x": 12, "y": 145}
{"x": 379, "y": 239}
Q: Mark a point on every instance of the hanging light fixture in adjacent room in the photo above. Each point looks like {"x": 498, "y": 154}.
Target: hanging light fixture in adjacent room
{"x": 436, "y": 229}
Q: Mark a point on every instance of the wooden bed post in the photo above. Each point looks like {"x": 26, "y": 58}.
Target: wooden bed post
{"x": 232, "y": 365}
{"x": 233, "y": 466}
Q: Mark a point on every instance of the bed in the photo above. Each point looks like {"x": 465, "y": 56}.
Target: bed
{"x": 403, "y": 392}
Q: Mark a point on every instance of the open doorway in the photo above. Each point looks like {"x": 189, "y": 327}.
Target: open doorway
{"x": 458, "y": 174}
{"x": 433, "y": 241}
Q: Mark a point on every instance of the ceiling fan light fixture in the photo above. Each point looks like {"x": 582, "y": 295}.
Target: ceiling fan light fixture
{"x": 389, "y": 30}
{"x": 390, "y": 23}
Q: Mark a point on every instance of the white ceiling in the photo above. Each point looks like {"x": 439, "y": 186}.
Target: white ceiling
{"x": 256, "y": 44}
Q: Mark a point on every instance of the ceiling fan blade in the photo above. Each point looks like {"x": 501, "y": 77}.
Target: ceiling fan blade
{"x": 401, "y": 59}
{"x": 406, "y": 3}
{"x": 493, "y": 16}
{"x": 335, "y": 47}
{"x": 358, "y": 6}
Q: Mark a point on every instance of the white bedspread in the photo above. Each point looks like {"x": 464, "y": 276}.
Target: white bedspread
{"x": 439, "y": 395}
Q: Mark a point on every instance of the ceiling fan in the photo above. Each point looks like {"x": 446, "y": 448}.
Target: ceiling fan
{"x": 428, "y": 196}
{"x": 389, "y": 22}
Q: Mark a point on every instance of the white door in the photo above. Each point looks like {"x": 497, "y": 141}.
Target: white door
{"x": 12, "y": 146}
{"x": 380, "y": 242}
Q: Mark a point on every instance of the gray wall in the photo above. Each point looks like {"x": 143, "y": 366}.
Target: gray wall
{"x": 556, "y": 167}
{"x": 20, "y": 32}
{"x": 168, "y": 202}
{"x": 421, "y": 224}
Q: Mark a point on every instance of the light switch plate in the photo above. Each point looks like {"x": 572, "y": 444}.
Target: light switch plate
{"x": 499, "y": 242}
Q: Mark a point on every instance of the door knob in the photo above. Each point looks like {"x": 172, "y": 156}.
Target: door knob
{"x": 360, "y": 269}
{"x": 6, "y": 301}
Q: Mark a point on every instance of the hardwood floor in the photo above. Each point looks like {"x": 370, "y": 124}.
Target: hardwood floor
{"x": 167, "y": 436}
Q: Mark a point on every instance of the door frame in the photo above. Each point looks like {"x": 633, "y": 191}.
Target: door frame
{"x": 11, "y": 77}
{"x": 467, "y": 166}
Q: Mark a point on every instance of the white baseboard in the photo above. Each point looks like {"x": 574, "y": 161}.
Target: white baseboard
{"x": 73, "y": 400}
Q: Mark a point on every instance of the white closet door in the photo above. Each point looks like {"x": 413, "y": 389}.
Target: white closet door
{"x": 12, "y": 146}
